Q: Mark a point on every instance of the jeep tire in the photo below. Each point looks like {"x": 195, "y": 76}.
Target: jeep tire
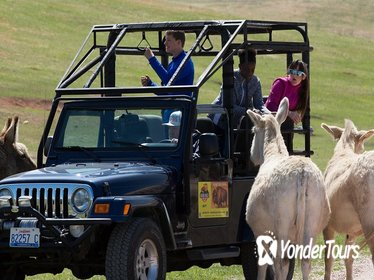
{"x": 248, "y": 257}
{"x": 136, "y": 250}
{"x": 249, "y": 262}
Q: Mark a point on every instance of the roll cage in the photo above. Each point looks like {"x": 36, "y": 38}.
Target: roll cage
{"x": 95, "y": 69}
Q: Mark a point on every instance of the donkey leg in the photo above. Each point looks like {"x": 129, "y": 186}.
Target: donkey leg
{"x": 349, "y": 241}
{"x": 369, "y": 236}
{"x": 261, "y": 272}
{"x": 280, "y": 272}
{"x": 306, "y": 267}
{"x": 281, "y": 265}
{"x": 368, "y": 230}
{"x": 306, "y": 264}
{"x": 328, "y": 234}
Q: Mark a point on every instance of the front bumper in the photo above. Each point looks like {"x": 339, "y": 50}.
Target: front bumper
{"x": 54, "y": 231}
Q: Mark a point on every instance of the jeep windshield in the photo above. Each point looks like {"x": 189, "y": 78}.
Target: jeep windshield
{"x": 119, "y": 128}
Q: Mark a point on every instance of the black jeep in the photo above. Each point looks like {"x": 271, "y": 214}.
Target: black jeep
{"x": 113, "y": 195}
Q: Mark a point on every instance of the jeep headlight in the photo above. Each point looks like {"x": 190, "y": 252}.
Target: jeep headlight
{"x": 81, "y": 200}
{"x": 5, "y": 192}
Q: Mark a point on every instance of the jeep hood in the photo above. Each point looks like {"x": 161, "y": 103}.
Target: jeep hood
{"x": 121, "y": 178}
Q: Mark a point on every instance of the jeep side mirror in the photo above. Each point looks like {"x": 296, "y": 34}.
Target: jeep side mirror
{"x": 208, "y": 145}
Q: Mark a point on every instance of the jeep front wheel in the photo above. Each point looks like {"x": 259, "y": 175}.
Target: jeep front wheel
{"x": 136, "y": 250}
{"x": 249, "y": 262}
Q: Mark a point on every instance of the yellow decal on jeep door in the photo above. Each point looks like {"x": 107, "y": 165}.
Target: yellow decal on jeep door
{"x": 213, "y": 199}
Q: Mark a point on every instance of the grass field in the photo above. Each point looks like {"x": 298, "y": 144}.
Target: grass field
{"x": 39, "y": 39}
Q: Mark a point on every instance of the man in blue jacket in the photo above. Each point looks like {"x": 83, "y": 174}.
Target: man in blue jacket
{"x": 174, "y": 44}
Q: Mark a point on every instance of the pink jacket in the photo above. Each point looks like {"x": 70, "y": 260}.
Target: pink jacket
{"x": 282, "y": 87}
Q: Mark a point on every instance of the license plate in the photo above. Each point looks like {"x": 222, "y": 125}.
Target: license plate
{"x": 24, "y": 237}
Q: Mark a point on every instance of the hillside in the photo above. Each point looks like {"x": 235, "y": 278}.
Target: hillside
{"x": 40, "y": 38}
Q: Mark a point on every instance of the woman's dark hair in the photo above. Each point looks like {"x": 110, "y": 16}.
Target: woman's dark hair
{"x": 304, "y": 88}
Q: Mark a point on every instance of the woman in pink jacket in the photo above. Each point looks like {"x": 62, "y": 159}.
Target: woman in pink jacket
{"x": 295, "y": 86}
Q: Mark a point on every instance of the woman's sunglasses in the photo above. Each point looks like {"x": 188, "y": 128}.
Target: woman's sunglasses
{"x": 295, "y": 72}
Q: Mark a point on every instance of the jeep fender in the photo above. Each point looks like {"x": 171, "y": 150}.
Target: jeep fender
{"x": 139, "y": 206}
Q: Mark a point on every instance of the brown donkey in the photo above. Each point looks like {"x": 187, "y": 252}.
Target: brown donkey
{"x": 14, "y": 157}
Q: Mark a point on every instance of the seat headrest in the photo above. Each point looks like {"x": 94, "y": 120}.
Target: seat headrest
{"x": 129, "y": 118}
{"x": 208, "y": 144}
{"x": 205, "y": 125}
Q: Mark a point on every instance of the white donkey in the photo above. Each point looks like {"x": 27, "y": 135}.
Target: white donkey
{"x": 288, "y": 196}
{"x": 349, "y": 179}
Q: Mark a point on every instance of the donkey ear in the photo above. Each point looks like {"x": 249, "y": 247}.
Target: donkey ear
{"x": 255, "y": 117}
{"x": 335, "y": 131}
{"x": 6, "y": 126}
{"x": 349, "y": 129}
{"x": 366, "y": 135}
{"x": 11, "y": 135}
{"x": 282, "y": 112}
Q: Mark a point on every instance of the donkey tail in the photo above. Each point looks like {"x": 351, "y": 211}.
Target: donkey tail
{"x": 301, "y": 186}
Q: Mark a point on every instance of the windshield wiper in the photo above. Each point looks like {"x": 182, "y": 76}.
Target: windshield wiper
{"x": 140, "y": 147}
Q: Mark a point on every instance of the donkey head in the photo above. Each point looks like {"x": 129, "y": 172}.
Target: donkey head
{"x": 14, "y": 157}
{"x": 349, "y": 136}
{"x": 267, "y": 130}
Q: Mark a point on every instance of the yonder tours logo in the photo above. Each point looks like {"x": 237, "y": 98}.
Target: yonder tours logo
{"x": 267, "y": 248}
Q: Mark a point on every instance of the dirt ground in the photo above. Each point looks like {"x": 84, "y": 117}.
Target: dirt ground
{"x": 11, "y": 106}
{"x": 30, "y": 111}
{"x": 41, "y": 104}
{"x": 362, "y": 270}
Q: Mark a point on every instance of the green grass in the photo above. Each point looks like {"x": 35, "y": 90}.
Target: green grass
{"x": 33, "y": 59}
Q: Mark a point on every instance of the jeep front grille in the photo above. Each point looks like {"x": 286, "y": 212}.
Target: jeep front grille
{"x": 52, "y": 200}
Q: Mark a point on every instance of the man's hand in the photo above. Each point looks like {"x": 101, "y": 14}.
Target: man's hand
{"x": 145, "y": 80}
{"x": 148, "y": 53}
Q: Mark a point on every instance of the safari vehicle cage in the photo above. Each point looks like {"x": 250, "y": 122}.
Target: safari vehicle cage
{"x": 93, "y": 71}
